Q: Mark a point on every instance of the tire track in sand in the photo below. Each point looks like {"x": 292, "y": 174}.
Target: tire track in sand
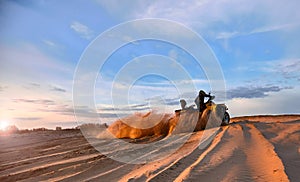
{"x": 125, "y": 169}
{"x": 264, "y": 162}
{"x": 152, "y": 170}
{"x": 243, "y": 154}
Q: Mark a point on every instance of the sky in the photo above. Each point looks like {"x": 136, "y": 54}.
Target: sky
{"x": 256, "y": 44}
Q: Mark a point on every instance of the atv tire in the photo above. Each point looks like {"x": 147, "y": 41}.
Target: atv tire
{"x": 226, "y": 119}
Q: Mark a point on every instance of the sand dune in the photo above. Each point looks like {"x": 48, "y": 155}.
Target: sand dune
{"x": 253, "y": 148}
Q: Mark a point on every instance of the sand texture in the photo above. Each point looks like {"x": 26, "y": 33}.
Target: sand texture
{"x": 252, "y": 148}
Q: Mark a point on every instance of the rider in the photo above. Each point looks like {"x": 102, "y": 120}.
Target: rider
{"x": 200, "y": 100}
{"x": 183, "y": 104}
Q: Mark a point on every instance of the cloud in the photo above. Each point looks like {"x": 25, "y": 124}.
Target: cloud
{"x": 112, "y": 116}
{"x": 2, "y": 88}
{"x": 31, "y": 86}
{"x": 133, "y": 107}
{"x": 49, "y": 43}
{"x": 285, "y": 101}
{"x": 221, "y": 19}
{"x": 57, "y": 89}
{"x": 289, "y": 68}
{"x": 83, "y": 30}
{"x": 140, "y": 106}
{"x": 116, "y": 7}
{"x": 58, "y": 108}
{"x": 81, "y": 111}
{"x": 35, "y": 84}
{"x": 252, "y": 91}
{"x": 172, "y": 102}
{"x": 35, "y": 101}
{"x": 227, "y": 35}
{"x": 263, "y": 29}
{"x": 28, "y": 118}
{"x": 26, "y": 63}
{"x": 284, "y": 72}
{"x": 286, "y": 69}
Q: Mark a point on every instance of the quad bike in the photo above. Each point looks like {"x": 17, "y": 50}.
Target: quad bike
{"x": 222, "y": 110}
{"x": 212, "y": 116}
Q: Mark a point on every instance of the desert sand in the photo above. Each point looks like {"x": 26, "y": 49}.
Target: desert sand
{"x": 250, "y": 148}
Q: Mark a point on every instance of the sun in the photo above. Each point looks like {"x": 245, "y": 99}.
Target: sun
{"x": 3, "y": 125}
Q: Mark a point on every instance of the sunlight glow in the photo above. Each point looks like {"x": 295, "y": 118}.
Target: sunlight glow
{"x": 3, "y": 125}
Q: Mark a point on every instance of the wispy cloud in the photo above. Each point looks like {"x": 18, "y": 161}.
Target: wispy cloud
{"x": 222, "y": 19}
{"x": 35, "y": 84}
{"x": 35, "y": 101}
{"x": 83, "y": 30}
{"x": 289, "y": 68}
{"x": 57, "y": 89}
{"x": 49, "y": 43}
{"x": 227, "y": 35}
{"x": 263, "y": 29}
{"x": 1, "y": 88}
{"x": 253, "y": 91}
{"x": 30, "y": 65}
{"x": 133, "y": 107}
{"x": 172, "y": 102}
{"x": 28, "y": 118}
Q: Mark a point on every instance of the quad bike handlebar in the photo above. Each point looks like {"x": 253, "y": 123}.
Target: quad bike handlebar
{"x": 210, "y": 98}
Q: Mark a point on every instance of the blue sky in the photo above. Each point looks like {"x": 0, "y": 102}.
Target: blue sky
{"x": 41, "y": 42}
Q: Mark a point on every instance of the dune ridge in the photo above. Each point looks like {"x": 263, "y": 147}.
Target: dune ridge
{"x": 252, "y": 148}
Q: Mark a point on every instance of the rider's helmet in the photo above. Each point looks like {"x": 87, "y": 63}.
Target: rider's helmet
{"x": 201, "y": 92}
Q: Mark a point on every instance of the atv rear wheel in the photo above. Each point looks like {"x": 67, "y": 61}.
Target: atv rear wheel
{"x": 226, "y": 119}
